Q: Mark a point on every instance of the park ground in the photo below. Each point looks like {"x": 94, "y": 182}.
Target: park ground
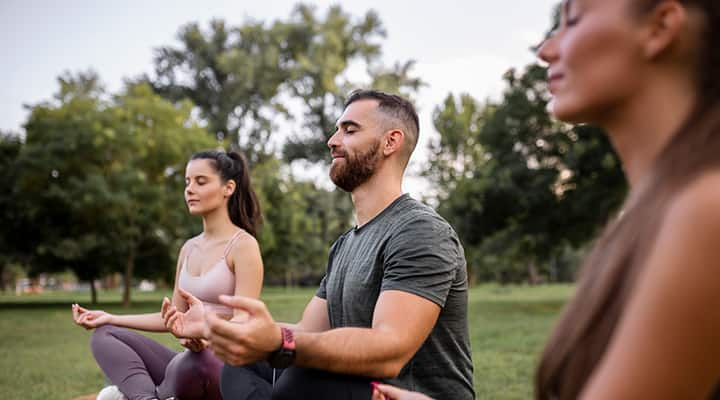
{"x": 43, "y": 355}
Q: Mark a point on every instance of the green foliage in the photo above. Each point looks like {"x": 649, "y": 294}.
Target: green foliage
{"x": 324, "y": 50}
{"x": 244, "y": 79}
{"x": 521, "y": 189}
{"x": 104, "y": 176}
{"x": 301, "y": 221}
{"x": 12, "y": 246}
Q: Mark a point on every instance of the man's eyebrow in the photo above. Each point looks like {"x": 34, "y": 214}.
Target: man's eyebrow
{"x": 347, "y": 123}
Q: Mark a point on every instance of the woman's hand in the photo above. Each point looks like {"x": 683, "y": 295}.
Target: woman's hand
{"x": 194, "y": 345}
{"x": 89, "y": 319}
{"x": 188, "y": 324}
{"x": 387, "y": 392}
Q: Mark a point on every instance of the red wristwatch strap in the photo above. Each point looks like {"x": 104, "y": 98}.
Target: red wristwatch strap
{"x": 288, "y": 338}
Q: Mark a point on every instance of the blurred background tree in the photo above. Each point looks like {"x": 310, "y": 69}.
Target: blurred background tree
{"x": 96, "y": 183}
{"x": 522, "y": 190}
{"x": 104, "y": 177}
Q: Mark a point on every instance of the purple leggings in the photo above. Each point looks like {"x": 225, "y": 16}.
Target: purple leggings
{"x": 143, "y": 369}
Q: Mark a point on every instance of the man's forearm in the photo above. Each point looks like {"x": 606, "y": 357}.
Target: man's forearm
{"x": 355, "y": 351}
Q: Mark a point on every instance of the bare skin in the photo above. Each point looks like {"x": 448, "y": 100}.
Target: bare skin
{"x": 183, "y": 316}
{"x": 401, "y": 322}
{"x": 665, "y": 346}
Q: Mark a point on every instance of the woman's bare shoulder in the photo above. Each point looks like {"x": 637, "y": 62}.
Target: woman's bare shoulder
{"x": 698, "y": 204}
{"x": 245, "y": 242}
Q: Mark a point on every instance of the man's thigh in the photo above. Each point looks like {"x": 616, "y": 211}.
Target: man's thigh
{"x": 305, "y": 383}
{"x": 250, "y": 382}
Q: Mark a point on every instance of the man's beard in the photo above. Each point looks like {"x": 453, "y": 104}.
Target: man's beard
{"x": 356, "y": 169}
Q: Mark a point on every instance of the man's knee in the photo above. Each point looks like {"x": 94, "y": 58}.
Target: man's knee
{"x": 306, "y": 383}
{"x": 244, "y": 383}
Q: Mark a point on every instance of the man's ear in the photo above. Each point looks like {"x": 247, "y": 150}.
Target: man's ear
{"x": 665, "y": 24}
{"x": 394, "y": 140}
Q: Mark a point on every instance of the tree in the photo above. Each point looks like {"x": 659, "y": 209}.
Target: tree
{"x": 322, "y": 52}
{"x": 12, "y": 208}
{"x": 301, "y": 222}
{"x": 520, "y": 187}
{"x": 231, "y": 75}
{"x": 244, "y": 79}
{"x": 106, "y": 173}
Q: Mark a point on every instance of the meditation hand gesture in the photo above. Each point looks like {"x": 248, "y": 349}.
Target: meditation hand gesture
{"x": 89, "y": 319}
{"x": 188, "y": 324}
{"x": 249, "y": 337}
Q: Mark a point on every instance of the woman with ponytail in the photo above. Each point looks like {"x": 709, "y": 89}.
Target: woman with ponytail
{"x": 645, "y": 319}
{"x": 223, "y": 260}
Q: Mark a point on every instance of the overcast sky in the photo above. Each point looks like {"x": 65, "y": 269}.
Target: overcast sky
{"x": 459, "y": 45}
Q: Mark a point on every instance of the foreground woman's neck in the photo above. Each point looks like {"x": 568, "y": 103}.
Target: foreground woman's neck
{"x": 642, "y": 127}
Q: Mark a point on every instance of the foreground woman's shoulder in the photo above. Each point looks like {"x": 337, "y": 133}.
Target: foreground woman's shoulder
{"x": 698, "y": 204}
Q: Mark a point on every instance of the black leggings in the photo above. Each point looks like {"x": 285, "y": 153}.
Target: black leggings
{"x": 144, "y": 369}
{"x": 254, "y": 382}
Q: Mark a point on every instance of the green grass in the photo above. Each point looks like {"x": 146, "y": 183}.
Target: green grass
{"x": 43, "y": 355}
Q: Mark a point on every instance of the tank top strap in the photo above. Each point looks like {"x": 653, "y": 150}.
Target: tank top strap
{"x": 231, "y": 242}
{"x": 192, "y": 245}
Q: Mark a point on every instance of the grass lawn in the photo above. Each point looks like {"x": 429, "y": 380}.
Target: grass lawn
{"x": 43, "y": 355}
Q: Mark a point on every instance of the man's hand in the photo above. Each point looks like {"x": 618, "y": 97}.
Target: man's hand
{"x": 188, "y": 324}
{"x": 243, "y": 342}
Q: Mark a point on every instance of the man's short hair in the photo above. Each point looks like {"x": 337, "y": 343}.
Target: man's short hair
{"x": 394, "y": 107}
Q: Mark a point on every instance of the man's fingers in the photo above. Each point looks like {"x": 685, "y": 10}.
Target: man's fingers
{"x": 189, "y": 298}
{"x": 173, "y": 324}
{"x": 164, "y": 307}
{"x": 170, "y": 312}
{"x": 220, "y": 327}
{"x": 170, "y": 319}
{"x": 228, "y": 334}
{"x": 252, "y": 306}
{"x": 229, "y": 351}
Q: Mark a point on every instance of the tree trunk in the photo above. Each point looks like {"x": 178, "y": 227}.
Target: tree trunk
{"x": 289, "y": 281}
{"x": 533, "y": 275}
{"x": 127, "y": 278}
{"x": 3, "y": 284}
{"x": 93, "y": 292}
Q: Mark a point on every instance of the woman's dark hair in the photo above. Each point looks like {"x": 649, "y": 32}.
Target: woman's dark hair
{"x": 243, "y": 205}
{"x": 610, "y": 272}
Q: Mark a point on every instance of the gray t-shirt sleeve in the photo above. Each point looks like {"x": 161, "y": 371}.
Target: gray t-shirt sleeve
{"x": 322, "y": 290}
{"x": 422, "y": 258}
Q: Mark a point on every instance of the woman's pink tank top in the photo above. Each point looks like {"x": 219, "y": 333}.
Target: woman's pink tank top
{"x": 216, "y": 281}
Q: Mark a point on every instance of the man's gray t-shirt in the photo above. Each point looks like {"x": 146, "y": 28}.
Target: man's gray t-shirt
{"x": 410, "y": 248}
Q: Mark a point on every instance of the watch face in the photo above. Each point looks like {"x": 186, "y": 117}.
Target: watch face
{"x": 282, "y": 358}
{"x": 285, "y": 355}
